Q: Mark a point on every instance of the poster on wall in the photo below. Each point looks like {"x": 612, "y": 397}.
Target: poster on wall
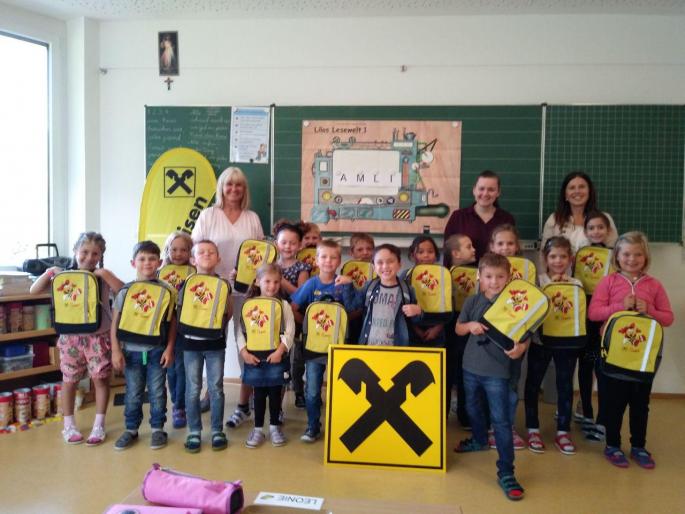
{"x": 395, "y": 177}
{"x": 167, "y": 46}
{"x": 250, "y": 134}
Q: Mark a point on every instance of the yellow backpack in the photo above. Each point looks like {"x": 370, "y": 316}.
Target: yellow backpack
{"x": 522, "y": 268}
{"x": 359, "y": 271}
{"x": 175, "y": 274}
{"x": 251, "y": 255}
{"x": 76, "y": 301}
{"x": 147, "y": 310}
{"x": 464, "y": 284}
{"x": 308, "y": 257}
{"x": 325, "y": 324}
{"x": 432, "y": 284}
{"x": 631, "y": 345}
{"x": 202, "y": 306}
{"x": 262, "y": 323}
{"x": 564, "y": 327}
{"x": 520, "y": 308}
{"x": 592, "y": 264}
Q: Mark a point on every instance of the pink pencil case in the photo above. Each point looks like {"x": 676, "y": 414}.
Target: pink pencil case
{"x": 175, "y": 489}
{"x": 143, "y": 509}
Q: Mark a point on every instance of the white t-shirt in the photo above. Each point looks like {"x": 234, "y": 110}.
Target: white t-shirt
{"x": 214, "y": 225}
{"x": 575, "y": 233}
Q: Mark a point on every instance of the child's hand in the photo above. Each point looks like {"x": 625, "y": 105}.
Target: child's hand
{"x": 276, "y": 356}
{"x": 53, "y": 271}
{"x": 517, "y": 351}
{"x": 167, "y": 358}
{"x": 641, "y": 305}
{"x": 559, "y": 277}
{"x": 232, "y": 274}
{"x": 477, "y": 329}
{"x": 341, "y": 280}
{"x": 432, "y": 332}
{"x": 249, "y": 358}
{"x": 99, "y": 272}
{"x": 411, "y": 310}
{"x": 629, "y": 302}
{"x": 118, "y": 361}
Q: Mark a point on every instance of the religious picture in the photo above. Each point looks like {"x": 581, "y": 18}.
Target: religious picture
{"x": 168, "y": 53}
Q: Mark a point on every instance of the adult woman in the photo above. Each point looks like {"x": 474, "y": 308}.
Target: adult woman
{"x": 478, "y": 220}
{"x": 228, "y": 223}
{"x": 577, "y": 197}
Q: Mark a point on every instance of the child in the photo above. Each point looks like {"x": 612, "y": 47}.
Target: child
{"x": 143, "y": 364}
{"x": 361, "y": 246}
{"x": 388, "y": 302}
{"x": 265, "y": 369}
{"x": 177, "y": 248}
{"x": 487, "y": 374}
{"x": 629, "y": 288}
{"x": 504, "y": 241}
{"x": 557, "y": 255}
{"x": 295, "y": 273}
{"x": 198, "y": 351}
{"x": 86, "y": 352}
{"x": 430, "y": 332}
{"x": 459, "y": 251}
{"x": 597, "y": 230}
{"x": 327, "y": 283}
{"x": 311, "y": 234}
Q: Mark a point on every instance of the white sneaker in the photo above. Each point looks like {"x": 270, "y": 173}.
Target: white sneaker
{"x": 255, "y": 439}
{"x": 277, "y": 436}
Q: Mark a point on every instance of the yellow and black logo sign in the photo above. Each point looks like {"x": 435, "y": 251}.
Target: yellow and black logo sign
{"x": 179, "y": 181}
{"x": 386, "y": 407}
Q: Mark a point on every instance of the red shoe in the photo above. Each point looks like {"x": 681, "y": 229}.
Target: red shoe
{"x": 535, "y": 443}
{"x": 564, "y": 444}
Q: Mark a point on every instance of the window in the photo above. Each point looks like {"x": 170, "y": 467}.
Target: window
{"x": 25, "y": 206}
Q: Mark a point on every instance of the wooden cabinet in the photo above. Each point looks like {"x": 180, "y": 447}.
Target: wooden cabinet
{"x": 28, "y": 337}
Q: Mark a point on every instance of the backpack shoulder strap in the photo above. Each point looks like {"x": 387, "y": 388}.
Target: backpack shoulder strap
{"x": 371, "y": 289}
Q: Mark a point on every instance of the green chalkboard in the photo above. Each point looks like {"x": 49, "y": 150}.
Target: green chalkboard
{"x": 505, "y": 139}
{"x": 634, "y": 154}
{"x": 206, "y": 130}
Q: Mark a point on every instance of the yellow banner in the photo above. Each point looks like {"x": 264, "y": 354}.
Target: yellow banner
{"x": 386, "y": 407}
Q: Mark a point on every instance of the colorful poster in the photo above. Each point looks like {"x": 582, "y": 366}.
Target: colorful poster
{"x": 250, "y": 134}
{"x": 380, "y": 176}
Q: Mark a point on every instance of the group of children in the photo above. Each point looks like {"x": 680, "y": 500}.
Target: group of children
{"x": 382, "y": 311}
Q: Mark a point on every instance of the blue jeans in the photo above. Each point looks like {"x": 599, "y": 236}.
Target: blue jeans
{"x": 215, "y": 383}
{"x": 176, "y": 376}
{"x": 496, "y": 392}
{"x": 312, "y": 394}
{"x": 137, "y": 376}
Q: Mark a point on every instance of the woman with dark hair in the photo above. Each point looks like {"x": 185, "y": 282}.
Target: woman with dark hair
{"x": 577, "y": 198}
{"x": 478, "y": 220}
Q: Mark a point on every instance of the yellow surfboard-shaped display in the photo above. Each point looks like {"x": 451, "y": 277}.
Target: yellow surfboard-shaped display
{"x": 180, "y": 184}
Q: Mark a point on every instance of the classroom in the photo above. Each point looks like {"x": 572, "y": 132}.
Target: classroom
{"x": 539, "y": 88}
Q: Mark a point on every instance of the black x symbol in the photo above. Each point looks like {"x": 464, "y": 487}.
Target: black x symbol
{"x": 179, "y": 181}
{"x": 386, "y": 405}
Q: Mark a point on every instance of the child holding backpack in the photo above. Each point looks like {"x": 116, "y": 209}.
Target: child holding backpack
{"x": 630, "y": 288}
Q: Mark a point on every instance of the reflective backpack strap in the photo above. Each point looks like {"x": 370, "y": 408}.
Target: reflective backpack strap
{"x": 442, "y": 288}
{"x": 158, "y": 307}
{"x": 576, "y": 314}
{"x": 536, "y": 307}
{"x": 607, "y": 264}
{"x": 648, "y": 345}
{"x": 271, "y": 332}
{"x": 337, "y": 325}
{"x": 86, "y": 290}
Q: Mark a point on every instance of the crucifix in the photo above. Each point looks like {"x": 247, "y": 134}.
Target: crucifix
{"x": 168, "y": 83}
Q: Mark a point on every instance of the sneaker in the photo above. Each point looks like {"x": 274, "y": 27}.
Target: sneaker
{"x": 579, "y": 418}
{"x": 310, "y": 436}
{"x": 193, "y": 443}
{"x": 277, "y": 436}
{"x": 219, "y": 441}
{"x": 470, "y": 445}
{"x": 616, "y": 457}
{"x": 519, "y": 443}
{"x": 281, "y": 417}
{"x": 564, "y": 444}
{"x": 255, "y": 439}
{"x": 642, "y": 457}
{"x": 97, "y": 436}
{"x": 71, "y": 435}
{"x": 126, "y": 440}
{"x": 299, "y": 401}
{"x": 535, "y": 443}
{"x": 178, "y": 417}
{"x": 596, "y": 433}
{"x": 204, "y": 402}
{"x": 491, "y": 440}
{"x": 158, "y": 440}
{"x": 238, "y": 417}
{"x": 512, "y": 489}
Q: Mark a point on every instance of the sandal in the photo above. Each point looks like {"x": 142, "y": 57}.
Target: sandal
{"x": 616, "y": 457}
{"x": 512, "y": 489}
{"x": 564, "y": 444}
{"x": 97, "y": 436}
{"x": 642, "y": 457}
{"x": 535, "y": 443}
{"x": 219, "y": 441}
{"x": 193, "y": 443}
{"x": 71, "y": 435}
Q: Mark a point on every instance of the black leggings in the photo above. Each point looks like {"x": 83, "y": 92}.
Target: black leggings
{"x": 587, "y": 359}
{"x": 260, "y": 395}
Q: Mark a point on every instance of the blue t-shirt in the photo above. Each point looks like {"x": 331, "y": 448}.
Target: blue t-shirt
{"x": 313, "y": 289}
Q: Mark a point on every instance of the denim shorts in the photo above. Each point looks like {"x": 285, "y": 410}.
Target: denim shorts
{"x": 266, "y": 374}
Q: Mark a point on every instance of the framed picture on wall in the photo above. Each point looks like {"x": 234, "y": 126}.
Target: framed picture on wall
{"x": 167, "y": 47}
